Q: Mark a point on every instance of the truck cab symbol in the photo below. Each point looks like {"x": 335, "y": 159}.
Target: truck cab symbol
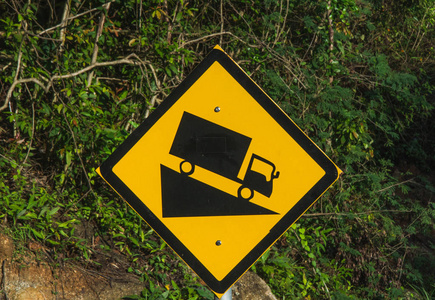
{"x": 220, "y": 150}
{"x": 255, "y": 181}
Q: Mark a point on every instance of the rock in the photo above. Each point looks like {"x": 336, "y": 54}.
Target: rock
{"x": 29, "y": 293}
{"x": 6, "y": 247}
{"x": 34, "y": 282}
{"x": 251, "y": 287}
{"x": 76, "y": 283}
{"x": 26, "y": 281}
{"x": 27, "y": 278}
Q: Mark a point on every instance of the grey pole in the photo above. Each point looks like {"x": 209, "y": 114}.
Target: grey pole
{"x": 227, "y": 296}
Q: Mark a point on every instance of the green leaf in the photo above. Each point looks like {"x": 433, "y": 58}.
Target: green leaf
{"x": 68, "y": 157}
{"x": 59, "y": 107}
{"x": 53, "y": 211}
{"x": 38, "y": 234}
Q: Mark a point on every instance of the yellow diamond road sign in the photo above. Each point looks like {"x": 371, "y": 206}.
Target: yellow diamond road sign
{"x": 219, "y": 171}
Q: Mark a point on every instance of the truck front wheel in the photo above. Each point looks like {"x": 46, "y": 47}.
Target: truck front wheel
{"x": 187, "y": 168}
{"x": 245, "y": 193}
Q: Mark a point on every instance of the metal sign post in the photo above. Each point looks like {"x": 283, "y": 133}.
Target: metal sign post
{"x": 227, "y": 296}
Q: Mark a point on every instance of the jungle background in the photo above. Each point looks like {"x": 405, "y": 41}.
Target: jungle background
{"x": 358, "y": 76}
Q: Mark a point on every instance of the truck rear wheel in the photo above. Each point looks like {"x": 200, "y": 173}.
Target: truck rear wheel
{"x": 187, "y": 168}
{"x": 245, "y": 193}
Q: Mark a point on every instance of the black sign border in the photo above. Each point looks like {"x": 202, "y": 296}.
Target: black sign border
{"x": 217, "y": 55}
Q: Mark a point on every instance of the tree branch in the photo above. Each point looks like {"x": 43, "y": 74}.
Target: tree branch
{"x": 76, "y": 148}
{"x": 280, "y": 29}
{"x": 207, "y": 37}
{"x": 17, "y": 71}
{"x": 69, "y": 19}
{"x": 396, "y": 184}
{"x": 331, "y": 35}
{"x": 31, "y": 138}
{"x": 97, "y": 37}
{"x": 354, "y": 214}
{"x": 154, "y": 97}
{"x": 222, "y": 22}
{"x": 128, "y": 60}
{"x": 63, "y": 23}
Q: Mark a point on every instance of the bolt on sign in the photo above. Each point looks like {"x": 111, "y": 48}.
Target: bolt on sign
{"x": 219, "y": 171}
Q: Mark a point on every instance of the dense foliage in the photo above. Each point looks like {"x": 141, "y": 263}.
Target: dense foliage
{"x": 357, "y": 76}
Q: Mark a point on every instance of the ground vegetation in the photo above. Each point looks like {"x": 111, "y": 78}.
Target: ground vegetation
{"x": 77, "y": 77}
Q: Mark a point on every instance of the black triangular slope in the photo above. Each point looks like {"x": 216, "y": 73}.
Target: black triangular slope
{"x": 183, "y": 196}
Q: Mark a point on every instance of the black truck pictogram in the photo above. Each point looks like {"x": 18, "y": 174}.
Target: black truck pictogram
{"x": 222, "y": 151}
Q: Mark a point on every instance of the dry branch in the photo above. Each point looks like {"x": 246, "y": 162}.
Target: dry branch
{"x": 64, "y": 22}
{"x": 214, "y": 35}
{"x": 69, "y": 19}
{"x": 131, "y": 59}
{"x": 97, "y": 37}
{"x": 331, "y": 36}
{"x": 350, "y": 214}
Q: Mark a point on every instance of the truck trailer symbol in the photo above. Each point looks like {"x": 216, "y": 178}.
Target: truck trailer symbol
{"x": 200, "y": 142}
